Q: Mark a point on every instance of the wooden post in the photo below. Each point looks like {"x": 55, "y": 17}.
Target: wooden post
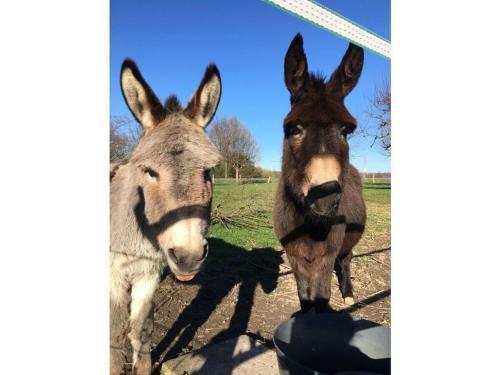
{"x": 269, "y": 179}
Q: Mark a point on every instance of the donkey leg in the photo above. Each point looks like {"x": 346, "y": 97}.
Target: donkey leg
{"x": 343, "y": 269}
{"x": 301, "y": 274}
{"x": 303, "y": 289}
{"x": 119, "y": 320}
{"x": 141, "y": 324}
{"x": 321, "y": 280}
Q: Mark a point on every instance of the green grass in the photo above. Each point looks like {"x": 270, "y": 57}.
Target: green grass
{"x": 259, "y": 197}
{"x": 246, "y": 197}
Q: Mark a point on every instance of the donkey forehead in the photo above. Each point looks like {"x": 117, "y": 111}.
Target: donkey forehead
{"x": 323, "y": 110}
{"x": 177, "y": 139}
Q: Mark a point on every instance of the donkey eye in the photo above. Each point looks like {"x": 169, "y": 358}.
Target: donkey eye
{"x": 207, "y": 174}
{"x": 296, "y": 131}
{"x": 151, "y": 173}
{"x": 346, "y": 130}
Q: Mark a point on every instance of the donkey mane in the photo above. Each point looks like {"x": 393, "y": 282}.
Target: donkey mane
{"x": 317, "y": 81}
{"x": 172, "y": 104}
{"x": 316, "y": 85}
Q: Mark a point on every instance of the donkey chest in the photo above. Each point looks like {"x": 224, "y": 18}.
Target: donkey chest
{"x": 309, "y": 249}
{"x": 129, "y": 267}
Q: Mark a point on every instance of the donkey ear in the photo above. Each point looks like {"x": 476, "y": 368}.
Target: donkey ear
{"x": 141, "y": 100}
{"x": 296, "y": 72}
{"x": 204, "y": 102}
{"x": 345, "y": 77}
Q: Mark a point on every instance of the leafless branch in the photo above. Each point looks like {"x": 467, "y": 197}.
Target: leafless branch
{"x": 123, "y": 137}
{"x": 235, "y": 143}
{"x": 379, "y": 114}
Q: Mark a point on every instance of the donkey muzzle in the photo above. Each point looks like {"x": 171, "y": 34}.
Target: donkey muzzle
{"x": 323, "y": 200}
{"x": 185, "y": 264}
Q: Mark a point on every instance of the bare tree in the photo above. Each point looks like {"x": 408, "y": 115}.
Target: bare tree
{"x": 123, "y": 137}
{"x": 380, "y": 114}
{"x": 235, "y": 143}
{"x": 219, "y": 133}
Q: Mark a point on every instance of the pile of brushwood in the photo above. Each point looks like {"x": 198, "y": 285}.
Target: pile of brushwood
{"x": 243, "y": 217}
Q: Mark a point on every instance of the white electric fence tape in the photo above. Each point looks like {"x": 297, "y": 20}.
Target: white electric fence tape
{"x": 328, "y": 19}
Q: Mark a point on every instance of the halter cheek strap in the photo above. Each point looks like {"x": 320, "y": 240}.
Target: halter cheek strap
{"x": 297, "y": 201}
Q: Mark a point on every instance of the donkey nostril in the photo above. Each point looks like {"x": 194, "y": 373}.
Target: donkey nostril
{"x": 171, "y": 253}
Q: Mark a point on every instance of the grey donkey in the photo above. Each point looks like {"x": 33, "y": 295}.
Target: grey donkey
{"x": 160, "y": 202}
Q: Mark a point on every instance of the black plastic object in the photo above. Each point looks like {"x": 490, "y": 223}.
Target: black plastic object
{"x": 333, "y": 343}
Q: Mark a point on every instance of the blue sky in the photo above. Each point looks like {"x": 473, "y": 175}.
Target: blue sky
{"x": 173, "y": 41}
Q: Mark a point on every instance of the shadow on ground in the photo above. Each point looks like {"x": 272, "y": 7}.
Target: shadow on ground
{"x": 372, "y": 252}
{"x": 227, "y": 300}
{"x": 226, "y": 266}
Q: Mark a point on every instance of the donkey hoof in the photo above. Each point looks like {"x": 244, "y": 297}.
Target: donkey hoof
{"x": 349, "y": 301}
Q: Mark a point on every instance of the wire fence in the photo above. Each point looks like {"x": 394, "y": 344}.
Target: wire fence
{"x": 370, "y": 178}
{"x": 373, "y": 179}
{"x": 244, "y": 180}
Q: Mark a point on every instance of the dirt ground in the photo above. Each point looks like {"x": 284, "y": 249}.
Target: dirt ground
{"x": 251, "y": 291}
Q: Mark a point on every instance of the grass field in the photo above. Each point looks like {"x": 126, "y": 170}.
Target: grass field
{"x": 251, "y": 199}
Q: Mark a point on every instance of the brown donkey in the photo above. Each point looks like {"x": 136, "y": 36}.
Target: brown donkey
{"x": 319, "y": 212}
{"x": 160, "y": 207}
